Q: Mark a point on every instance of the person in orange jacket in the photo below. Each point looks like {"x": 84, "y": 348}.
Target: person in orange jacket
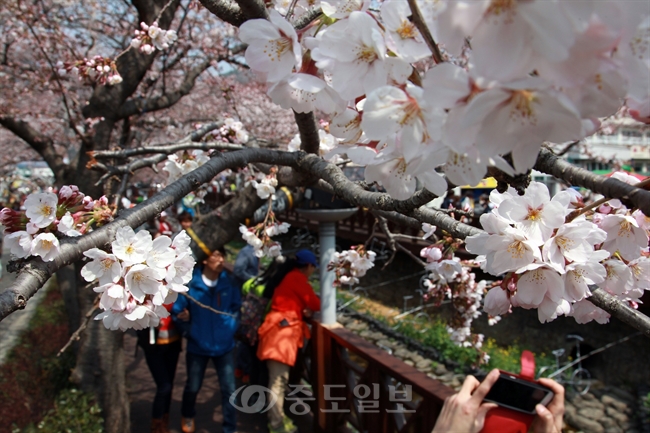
{"x": 283, "y": 331}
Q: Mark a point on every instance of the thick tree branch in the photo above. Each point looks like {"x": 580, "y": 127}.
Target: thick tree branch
{"x": 620, "y": 310}
{"x": 166, "y": 100}
{"x": 309, "y": 139}
{"x": 549, "y": 163}
{"x": 253, "y": 9}
{"x": 36, "y": 272}
{"x": 42, "y": 144}
{"x": 308, "y": 17}
{"x": 226, "y": 10}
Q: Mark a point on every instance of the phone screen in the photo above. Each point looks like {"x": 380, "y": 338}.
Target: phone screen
{"x": 518, "y": 394}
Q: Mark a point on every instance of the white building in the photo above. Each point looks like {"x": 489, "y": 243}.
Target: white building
{"x": 627, "y": 145}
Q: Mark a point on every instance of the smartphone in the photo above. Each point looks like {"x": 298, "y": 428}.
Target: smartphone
{"x": 518, "y": 394}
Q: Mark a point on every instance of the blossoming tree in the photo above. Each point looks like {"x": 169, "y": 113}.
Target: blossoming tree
{"x": 429, "y": 93}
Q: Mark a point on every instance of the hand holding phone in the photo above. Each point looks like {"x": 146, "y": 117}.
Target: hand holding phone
{"x": 521, "y": 395}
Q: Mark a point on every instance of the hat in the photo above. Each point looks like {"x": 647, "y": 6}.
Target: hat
{"x": 306, "y": 257}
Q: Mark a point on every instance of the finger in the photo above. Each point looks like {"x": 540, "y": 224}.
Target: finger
{"x": 485, "y": 386}
{"x": 469, "y": 385}
{"x": 545, "y": 422}
{"x": 556, "y": 406}
{"x": 482, "y": 413}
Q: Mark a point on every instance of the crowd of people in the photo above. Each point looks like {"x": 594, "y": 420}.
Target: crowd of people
{"x": 250, "y": 324}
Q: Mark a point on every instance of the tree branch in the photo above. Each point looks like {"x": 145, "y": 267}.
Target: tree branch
{"x": 42, "y": 144}
{"x": 418, "y": 21}
{"x": 35, "y": 272}
{"x": 166, "y": 100}
{"x": 226, "y": 10}
{"x": 308, "y": 17}
{"x": 309, "y": 139}
{"x": 253, "y": 9}
{"x": 620, "y": 310}
{"x": 549, "y": 163}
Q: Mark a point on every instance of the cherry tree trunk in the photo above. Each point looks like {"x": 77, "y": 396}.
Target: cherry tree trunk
{"x": 222, "y": 224}
{"x": 100, "y": 368}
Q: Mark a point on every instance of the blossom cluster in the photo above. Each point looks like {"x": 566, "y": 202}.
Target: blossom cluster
{"x": 350, "y": 265}
{"x": 152, "y": 37}
{"x": 98, "y": 69}
{"x": 48, "y": 216}
{"x": 536, "y": 71}
{"x": 138, "y": 277}
{"x": 453, "y": 279}
{"x": 179, "y": 164}
{"x": 259, "y": 236}
{"x": 550, "y": 260}
{"x": 266, "y": 186}
{"x": 232, "y": 131}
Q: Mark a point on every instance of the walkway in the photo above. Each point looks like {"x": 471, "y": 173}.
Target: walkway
{"x": 141, "y": 390}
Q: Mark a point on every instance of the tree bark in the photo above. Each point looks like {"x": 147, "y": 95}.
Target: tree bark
{"x": 222, "y": 224}
{"x": 100, "y": 368}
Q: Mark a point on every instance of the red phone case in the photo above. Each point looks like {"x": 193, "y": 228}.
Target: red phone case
{"x": 503, "y": 420}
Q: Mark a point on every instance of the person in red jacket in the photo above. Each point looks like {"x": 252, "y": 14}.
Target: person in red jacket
{"x": 283, "y": 331}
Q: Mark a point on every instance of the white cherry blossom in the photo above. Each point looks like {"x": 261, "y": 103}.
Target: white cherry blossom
{"x": 161, "y": 255}
{"x": 623, "y": 235}
{"x": 519, "y": 117}
{"x": 572, "y": 242}
{"x": 549, "y": 310}
{"x": 273, "y": 46}
{"x": 114, "y": 296}
{"x": 131, "y": 247}
{"x": 304, "y": 93}
{"x": 104, "y": 267}
{"x": 45, "y": 245}
{"x": 19, "y": 244}
{"x": 141, "y": 280}
{"x": 584, "y": 312}
{"x": 619, "y": 278}
{"x": 340, "y": 9}
{"x": 389, "y": 110}
{"x": 534, "y": 212}
{"x": 40, "y": 208}
{"x": 578, "y": 278}
{"x": 67, "y": 226}
{"x": 496, "y": 302}
{"x": 536, "y": 283}
{"x": 353, "y": 51}
{"x": 402, "y": 36}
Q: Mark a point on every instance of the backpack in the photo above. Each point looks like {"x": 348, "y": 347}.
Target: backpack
{"x": 253, "y": 310}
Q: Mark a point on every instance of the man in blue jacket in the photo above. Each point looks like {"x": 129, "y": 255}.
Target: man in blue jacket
{"x": 209, "y": 336}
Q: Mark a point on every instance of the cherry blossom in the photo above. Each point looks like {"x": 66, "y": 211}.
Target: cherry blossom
{"x": 352, "y": 264}
{"x": 273, "y": 46}
{"x": 19, "y": 243}
{"x": 343, "y": 8}
{"x": 131, "y": 247}
{"x": 534, "y": 213}
{"x": 496, "y": 302}
{"x": 353, "y": 51}
{"x": 45, "y": 245}
{"x": 304, "y": 93}
{"x": 624, "y": 236}
{"x": 402, "y": 35}
{"x": 104, "y": 267}
{"x": 40, "y": 208}
{"x": 428, "y": 229}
